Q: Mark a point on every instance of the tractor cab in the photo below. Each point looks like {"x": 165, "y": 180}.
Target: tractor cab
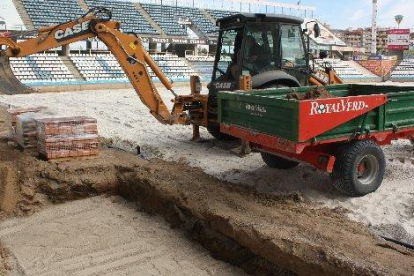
{"x": 270, "y": 48}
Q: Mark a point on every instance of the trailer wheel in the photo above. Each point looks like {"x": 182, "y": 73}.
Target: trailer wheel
{"x": 359, "y": 168}
{"x": 278, "y": 162}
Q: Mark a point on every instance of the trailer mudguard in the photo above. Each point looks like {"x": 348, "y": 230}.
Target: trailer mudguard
{"x": 272, "y": 77}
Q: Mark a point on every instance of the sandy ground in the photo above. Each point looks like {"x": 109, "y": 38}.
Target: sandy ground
{"x": 122, "y": 117}
{"x": 261, "y": 233}
{"x": 103, "y": 236}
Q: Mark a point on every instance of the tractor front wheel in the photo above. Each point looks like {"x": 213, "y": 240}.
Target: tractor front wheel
{"x": 359, "y": 168}
{"x": 278, "y": 162}
{"x": 216, "y": 133}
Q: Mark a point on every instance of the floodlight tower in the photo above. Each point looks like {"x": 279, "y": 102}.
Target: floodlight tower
{"x": 374, "y": 26}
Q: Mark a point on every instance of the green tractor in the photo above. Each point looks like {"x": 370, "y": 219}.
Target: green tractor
{"x": 272, "y": 49}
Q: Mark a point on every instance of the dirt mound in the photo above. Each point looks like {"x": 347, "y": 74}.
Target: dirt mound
{"x": 318, "y": 93}
{"x": 9, "y": 193}
{"x": 28, "y": 183}
{"x": 3, "y": 119}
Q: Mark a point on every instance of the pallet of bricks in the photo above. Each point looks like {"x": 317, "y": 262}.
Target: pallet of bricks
{"x": 67, "y": 137}
{"x": 13, "y": 113}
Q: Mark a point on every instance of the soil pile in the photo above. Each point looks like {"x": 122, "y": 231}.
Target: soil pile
{"x": 3, "y": 119}
{"x": 318, "y": 93}
{"x": 28, "y": 183}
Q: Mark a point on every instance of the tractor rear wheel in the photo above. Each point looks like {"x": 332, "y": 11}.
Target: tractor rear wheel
{"x": 359, "y": 168}
{"x": 277, "y": 162}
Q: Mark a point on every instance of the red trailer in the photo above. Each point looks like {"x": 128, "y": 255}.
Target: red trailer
{"x": 341, "y": 135}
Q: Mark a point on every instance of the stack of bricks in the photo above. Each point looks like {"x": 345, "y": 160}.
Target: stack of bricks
{"x": 67, "y": 137}
{"x": 12, "y": 114}
{"x": 26, "y": 132}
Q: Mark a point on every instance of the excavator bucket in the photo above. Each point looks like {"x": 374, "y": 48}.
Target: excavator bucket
{"x": 9, "y": 84}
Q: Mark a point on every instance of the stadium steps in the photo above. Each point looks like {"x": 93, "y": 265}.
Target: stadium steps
{"x": 398, "y": 63}
{"x": 389, "y": 77}
{"x": 72, "y": 68}
{"x": 83, "y": 5}
{"x": 148, "y": 17}
{"x": 196, "y": 30}
{"x": 208, "y": 15}
{"x": 361, "y": 68}
{"x": 24, "y": 15}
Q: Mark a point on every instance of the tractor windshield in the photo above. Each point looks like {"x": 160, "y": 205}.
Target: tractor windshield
{"x": 293, "y": 51}
{"x": 261, "y": 48}
{"x": 231, "y": 41}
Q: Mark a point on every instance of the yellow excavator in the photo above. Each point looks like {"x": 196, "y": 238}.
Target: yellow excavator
{"x": 280, "y": 61}
{"x": 129, "y": 52}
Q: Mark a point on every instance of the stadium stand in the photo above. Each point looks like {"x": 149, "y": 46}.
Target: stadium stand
{"x": 200, "y": 21}
{"x": 216, "y": 14}
{"x": 125, "y": 12}
{"x": 167, "y": 18}
{"x": 404, "y": 71}
{"x": 104, "y": 67}
{"x": 173, "y": 20}
{"x": 344, "y": 69}
{"x": 41, "y": 68}
{"x": 202, "y": 65}
{"x": 98, "y": 67}
{"x": 49, "y": 12}
{"x": 174, "y": 67}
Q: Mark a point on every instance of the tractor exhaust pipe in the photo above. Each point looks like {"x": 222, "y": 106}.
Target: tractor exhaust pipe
{"x": 9, "y": 84}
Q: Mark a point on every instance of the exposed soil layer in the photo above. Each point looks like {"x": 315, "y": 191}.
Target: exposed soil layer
{"x": 318, "y": 93}
{"x": 262, "y": 233}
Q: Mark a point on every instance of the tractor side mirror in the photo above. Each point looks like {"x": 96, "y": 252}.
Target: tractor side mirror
{"x": 317, "y": 30}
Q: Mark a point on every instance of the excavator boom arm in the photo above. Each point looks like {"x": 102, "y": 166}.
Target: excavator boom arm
{"x": 127, "y": 49}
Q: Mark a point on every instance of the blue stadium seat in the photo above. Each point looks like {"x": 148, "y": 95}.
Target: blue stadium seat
{"x": 50, "y": 12}
{"x": 404, "y": 71}
{"x": 41, "y": 68}
{"x": 125, "y": 12}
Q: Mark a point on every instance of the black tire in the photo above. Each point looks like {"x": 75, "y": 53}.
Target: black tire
{"x": 216, "y": 133}
{"x": 359, "y": 168}
{"x": 277, "y": 162}
{"x": 274, "y": 85}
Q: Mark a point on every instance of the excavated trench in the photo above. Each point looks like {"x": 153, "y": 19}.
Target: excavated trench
{"x": 260, "y": 233}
